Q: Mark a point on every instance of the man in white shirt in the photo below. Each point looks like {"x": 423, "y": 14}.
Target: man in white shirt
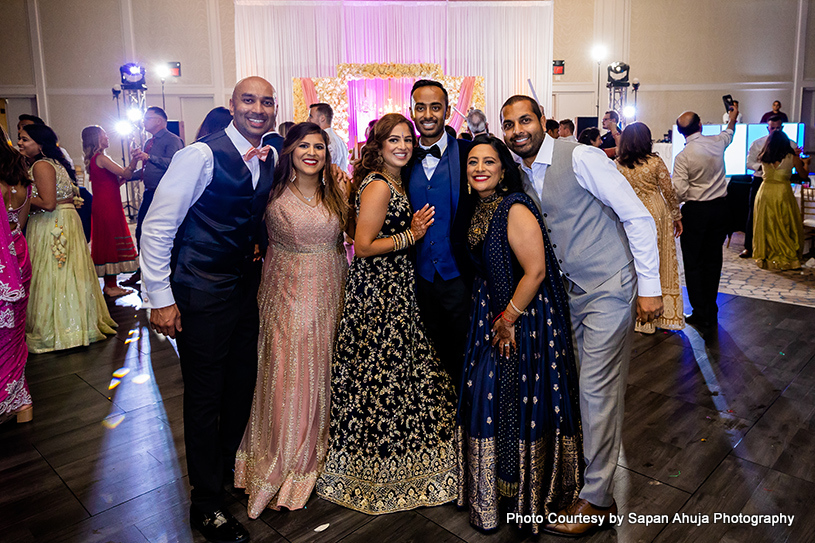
{"x": 753, "y": 163}
{"x": 201, "y": 277}
{"x": 700, "y": 183}
{"x": 726, "y": 114}
{"x": 566, "y": 130}
{"x": 606, "y": 245}
{"x": 322, "y": 115}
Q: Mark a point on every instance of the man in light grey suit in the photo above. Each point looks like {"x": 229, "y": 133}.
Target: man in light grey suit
{"x": 605, "y": 242}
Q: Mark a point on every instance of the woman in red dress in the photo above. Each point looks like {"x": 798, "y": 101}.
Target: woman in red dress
{"x": 112, "y": 247}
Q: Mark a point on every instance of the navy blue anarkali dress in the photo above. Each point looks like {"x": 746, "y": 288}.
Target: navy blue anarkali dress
{"x": 518, "y": 425}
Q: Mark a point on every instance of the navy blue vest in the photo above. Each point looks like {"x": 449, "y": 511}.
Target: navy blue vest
{"x": 434, "y": 252}
{"x": 214, "y": 246}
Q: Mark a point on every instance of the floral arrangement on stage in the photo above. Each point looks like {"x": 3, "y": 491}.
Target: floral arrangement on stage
{"x": 334, "y": 90}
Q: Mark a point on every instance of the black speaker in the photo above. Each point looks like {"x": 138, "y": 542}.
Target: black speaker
{"x": 583, "y": 123}
{"x": 177, "y": 128}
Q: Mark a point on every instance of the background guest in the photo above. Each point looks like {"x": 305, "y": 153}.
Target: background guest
{"x": 774, "y": 124}
{"x": 323, "y": 115}
{"x": 778, "y": 231}
{"x": 477, "y": 122}
{"x": 726, "y": 115}
{"x": 217, "y": 119}
{"x": 566, "y": 130}
{"x": 611, "y": 122}
{"x": 300, "y": 300}
{"x": 86, "y": 210}
{"x": 700, "y": 183}
{"x": 112, "y": 246}
{"x": 651, "y": 181}
{"x": 775, "y": 111}
{"x": 156, "y": 156}
{"x": 15, "y": 277}
{"x": 590, "y": 136}
{"x": 284, "y": 128}
{"x": 66, "y": 307}
{"x": 552, "y": 128}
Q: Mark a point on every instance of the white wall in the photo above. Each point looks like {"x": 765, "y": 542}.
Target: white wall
{"x": 66, "y": 54}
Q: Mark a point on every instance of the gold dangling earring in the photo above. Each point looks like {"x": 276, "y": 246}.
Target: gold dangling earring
{"x": 293, "y": 176}
{"x": 469, "y": 189}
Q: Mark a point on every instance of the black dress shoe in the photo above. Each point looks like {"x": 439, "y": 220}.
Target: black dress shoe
{"x": 219, "y": 526}
{"x": 695, "y": 319}
{"x": 744, "y": 254}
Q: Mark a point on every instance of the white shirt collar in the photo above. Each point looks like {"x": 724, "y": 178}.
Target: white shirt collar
{"x": 442, "y": 144}
{"x": 544, "y": 153}
{"x": 237, "y": 139}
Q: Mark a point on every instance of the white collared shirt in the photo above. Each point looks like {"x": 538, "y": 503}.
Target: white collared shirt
{"x": 570, "y": 138}
{"x": 188, "y": 176}
{"x": 430, "y": 162}
{"x": 698, "y": 174}
{"x": 338, "y": 149}
{"x": 597, "y": 174}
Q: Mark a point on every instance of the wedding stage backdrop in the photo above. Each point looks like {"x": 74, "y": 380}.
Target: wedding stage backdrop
{"x": 308, "y": 43}
{"x": 364, "y": 92}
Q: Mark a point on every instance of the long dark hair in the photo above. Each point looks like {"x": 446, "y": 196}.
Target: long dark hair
{"x": 329, "y": 191}
{"x": 217, "y": 119}
{"x": 777, "y": 147}
{"x": 635, "y": 145}
{"x": 46, "y": 138}
{"x": 13, "y": 166}
{"x": 512, "y": 177}
{"x": 370, "y": 159}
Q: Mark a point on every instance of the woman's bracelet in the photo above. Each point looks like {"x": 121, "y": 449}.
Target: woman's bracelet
{"x": 516, "y": 307}
{"x": 403, "y": 240}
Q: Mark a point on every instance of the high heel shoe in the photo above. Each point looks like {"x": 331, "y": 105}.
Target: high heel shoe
{"x": 26, "y": 414}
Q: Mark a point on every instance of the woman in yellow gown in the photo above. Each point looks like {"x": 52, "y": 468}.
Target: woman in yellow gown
{"x": 777, "y": 227}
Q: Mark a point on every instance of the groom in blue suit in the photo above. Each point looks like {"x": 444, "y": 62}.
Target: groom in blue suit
{"x": 437, "y": 175}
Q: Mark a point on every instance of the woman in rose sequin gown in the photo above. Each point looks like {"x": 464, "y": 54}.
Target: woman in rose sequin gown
{"x": 300, "y": 298}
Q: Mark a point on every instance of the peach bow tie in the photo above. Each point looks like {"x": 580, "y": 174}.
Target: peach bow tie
{"x": 261, "y": 153}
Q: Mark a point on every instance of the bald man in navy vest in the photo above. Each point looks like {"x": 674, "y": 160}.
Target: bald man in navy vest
{"x": 201, "y": 280}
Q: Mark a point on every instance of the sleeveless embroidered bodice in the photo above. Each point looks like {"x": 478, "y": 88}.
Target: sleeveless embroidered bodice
{"x": 65, "y": 188}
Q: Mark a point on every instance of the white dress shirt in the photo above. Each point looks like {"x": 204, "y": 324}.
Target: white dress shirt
{"x": 570, "y": 137}
{"x": 189, "y": 174}
{"x": 699, "y": 167}
{"x": 753, "y": 163}
{"x": 597, "y": 174}
{"x": 338, "y": 149}
{"x": 430, "y": 162}
{"x": 726, "y": 118}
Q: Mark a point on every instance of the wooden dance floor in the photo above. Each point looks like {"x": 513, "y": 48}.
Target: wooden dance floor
{"x": 717, "y": 424}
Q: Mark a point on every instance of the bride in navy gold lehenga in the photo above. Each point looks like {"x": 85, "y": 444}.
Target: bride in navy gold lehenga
{"x": 519, "y": 436}
{"x": 392, "y": 405}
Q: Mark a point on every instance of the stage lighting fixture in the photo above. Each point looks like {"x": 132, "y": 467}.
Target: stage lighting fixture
{"x": 598, "y": 52}
{"x": 629, "y": 112}
{"x": 163, "y": 71}
{"x": 618, "y": 74}
{"x": 132, "y": 76}
{"x": 124, "y": 128}
{"x": 134, "y": 115}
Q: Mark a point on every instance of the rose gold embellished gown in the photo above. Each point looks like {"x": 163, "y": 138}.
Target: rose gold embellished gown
{"x": 300, "y": 298}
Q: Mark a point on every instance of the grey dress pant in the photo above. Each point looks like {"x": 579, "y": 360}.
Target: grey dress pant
{"x": 603, "y": 329}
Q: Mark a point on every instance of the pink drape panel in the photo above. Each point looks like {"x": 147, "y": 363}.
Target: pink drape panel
{"x": 309, "y": 92}
{"x": 463, "y": 104}
{"x": 368, "y": 100}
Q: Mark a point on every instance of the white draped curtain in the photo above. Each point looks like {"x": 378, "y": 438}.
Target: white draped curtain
{"x": 507, "y": 43}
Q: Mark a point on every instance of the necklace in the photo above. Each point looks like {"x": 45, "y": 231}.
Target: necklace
{"x": 294, "y": 184}
{"x": 396, "y": 182}
{"x": 480, "y": 223}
